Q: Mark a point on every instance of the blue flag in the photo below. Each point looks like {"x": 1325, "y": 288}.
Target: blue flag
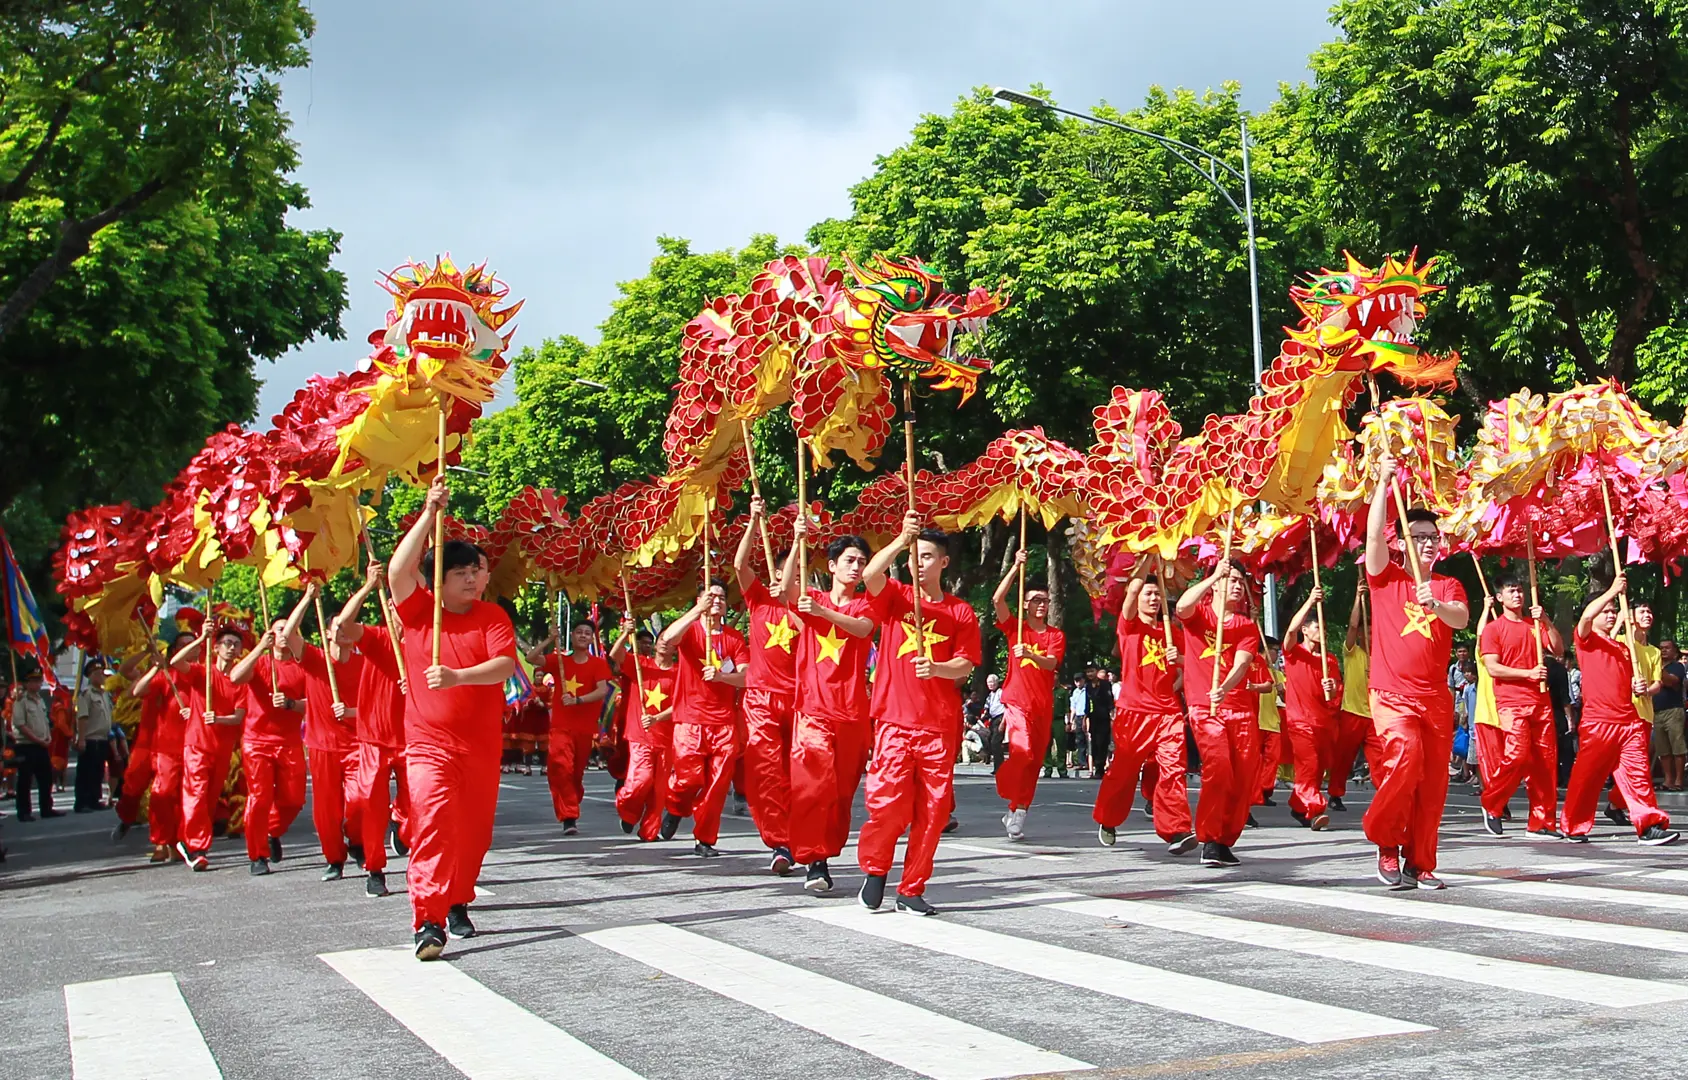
{"x": 25, "y": 631}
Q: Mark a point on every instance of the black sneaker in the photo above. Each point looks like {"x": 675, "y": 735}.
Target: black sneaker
{"x": 275, "y": 849}
{"x": 260, "y": 867}
{"x": 334, "y": 871}
{"x": 627, "y": 827}
{"x": 1210, "y": 854}
{"x": 376, "y": 884}
{"x": 705, "y": 851}
{"x": 1492, "y": 825}
{"x": 52, "y": 813}
{"x": 1268, "y": 801}
{"x": 1574, "y": 838}
{"x": 457, "y": 922}
{"x": 670, "y": 826}
{"x": 1549, "y": 833}
{"x": 1300, "y": 818}
{"x": 1251, "y": 823}
{"x": 356, "y": 853}
{"x": 781, "y": 863}
{"x": 820, "y": 878}
{"x": 1226, "y": 856}
{"x": 1657, "y": 836}
{"x": 953, "y": 824}
{"x": 1181, "y": 845}
{"x": 571, "y": 826}
{"x": 873, "y": 892}
{"x": 1105, "y": 835}
{"x": 1414, "y": 878}
{"x": 1336, "y": 804}
{"x": 119, "y": 831}
{"x": 198, "y": 862}
{"x": 26, "y": 817}
{"x": 915, "y": 905}
{"x": 395, "y": 840}
{"x": 430, "y": 941}
{"x": 1616, "y": 816}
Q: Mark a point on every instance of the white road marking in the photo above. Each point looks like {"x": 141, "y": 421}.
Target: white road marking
{"x": 896, "y": 1031}
{"x": 981, "y": 849}
{"x": 484, "y": 1035}
{"x": 135, "y": 1028}
{"x": 1580, "y": 894}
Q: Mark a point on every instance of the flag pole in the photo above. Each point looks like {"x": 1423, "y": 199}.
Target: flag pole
{"x": 756, "y": 490}
{"x": 1219, "y": 629}
{"x": 1020, "y": 615}
{"x": 908, "y": 482}
{"x": 439, "y": 542}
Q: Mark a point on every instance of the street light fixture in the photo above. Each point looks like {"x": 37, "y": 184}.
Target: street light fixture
{"x": 1210, "y": 168}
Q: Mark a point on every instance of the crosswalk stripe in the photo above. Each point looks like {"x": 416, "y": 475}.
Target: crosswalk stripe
{"x": 1583, "y": 894}
{"x": 1458, "y": 914}
{"x": 1587, "y": 987}
{"x": 980, "y": 849}
{"x": 896, "y": 1031}
{"x": 1335, "y": 851}
{"x": 135, "y": 1028}
{"x": 1241, "y": 1006}
{"x": 486, "y": 1036}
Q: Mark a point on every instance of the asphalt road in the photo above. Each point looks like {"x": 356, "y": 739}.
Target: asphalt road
{"x": 602, "y": 957}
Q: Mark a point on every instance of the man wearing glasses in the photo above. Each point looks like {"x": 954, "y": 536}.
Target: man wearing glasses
{"x": 1414, "y": 616}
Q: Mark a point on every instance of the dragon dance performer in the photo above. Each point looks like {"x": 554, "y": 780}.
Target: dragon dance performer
{"x": 1649, "y": 665}
{"x": 1508, "y": 650}
{"x": 165, "y": 722}
{"x": 1354, "y": 730}
{"x": 453, "y": 723}
{"x": 709, "y": 659}
{"x": 770, "y": 695}
{"x": 1411, "y": 703}
{"x": 331, "y": 745}
{"x": 1311, "y": 696}
{"x": 648, "y": 727}
{"x": 1486, "y": 731}
{"x": 1266, "y": 678}
{"x": 213, "y": 730}
{"x": 272, "y": 736}
{"x": 832, "y": 733}
{"x": 137, "y": 771}
{"x": 1035, "y": 651}
{"x": 580, "y": 681}
{"x": 1613, "y": 738}
{"x": 1148, "y": 722}
{"x": 917, "y": 705}
{"x": 377, "y": 720}
{"x": 1224, "y": 716}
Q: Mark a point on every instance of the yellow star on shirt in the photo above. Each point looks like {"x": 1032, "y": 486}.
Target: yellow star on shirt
{"x": 1031, "y": 651}
{"x": 1154, "y": 654}
{"x": 1209, "y": 650}
{"x": 571, "y": 685}
{"x": 654, "y": 697}
{"x": 781, "y": 634}
{"x": 1419, "y": 620}
{"x": 932, "y": 637}
{"x": 831, "y": 645}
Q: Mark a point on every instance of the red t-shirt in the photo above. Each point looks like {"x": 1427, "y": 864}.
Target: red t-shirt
{"x": 1606, "y": 675}
{"x": 463, "y": 719}
{"x": 659, "y": 695}
{"x": 1029, "y": 687}
{"x": 773, "y": 642}
{"x": 832, "y": 664}
{"x": 1148, "y": 680}
{"x": 700, "y": 702}
{"x": 951, "y": 631}
{"x": 226, "y": 697}
{"x": 267, "y": 725}
{"x": 380, "y": 699}
{"x": 575, "y": 677}
{"x": 1241, "y": 635}
{"x": 1513, "y": 643}
{"x": 1304, "y": 696}
{"x": 159, "y": 708}
{"x": 322, "y": 731}
{"x": 1410, "y": 645}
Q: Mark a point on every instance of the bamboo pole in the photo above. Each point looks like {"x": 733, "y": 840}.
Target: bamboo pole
{"x": 1319, "y": 607}
{"x": 1020, "y": 620}
{"x": 210, "y": 657}
{"x": 385, "y": 602}
{"x": 1219, "y": 628}
{"x": 439, "y": 545}
{"x": 1406, "y": 535}
{"x": 264, "y": 607}
{"x": 756, "y": 490}
{"x": 327, "y": 650}
{"x": 1535, "y": 597}
{"x": 908, "y": 482}
{"x": 708, "y": 636}
{"x": 638, "y": 670}
{"x": 803, "y": 512}
{"x": 1617, "y": 568}
{"x": 1166, "y": 600}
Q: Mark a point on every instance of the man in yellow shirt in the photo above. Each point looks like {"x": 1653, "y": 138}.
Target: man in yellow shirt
{"x": 1649, "y": 668}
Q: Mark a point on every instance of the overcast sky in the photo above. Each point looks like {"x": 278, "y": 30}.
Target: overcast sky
{"x": 558, "y": 140}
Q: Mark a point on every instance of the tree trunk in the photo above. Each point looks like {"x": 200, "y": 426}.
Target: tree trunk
{"x": 1055, "y": 544}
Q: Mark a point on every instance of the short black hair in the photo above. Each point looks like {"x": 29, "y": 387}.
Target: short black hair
{"x": 712, "y": 583}
{"x": 1508, "y": 581}
{"x": 781, "y": 555}
{"x": 229, "y": 630}
{"x": 644, "y": 635}
{"x": 585, "y": 622}
{"x": 1272, "y": 641}
{"x": 841, "y": 544}
{"x": 458, "y": 554}
{"x": 1237, "y": 565}
{"x": 1421, "y": 513}
{"x": 934, "y": 535}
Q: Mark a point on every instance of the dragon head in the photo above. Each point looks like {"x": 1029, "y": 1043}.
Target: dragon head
{"x": 443, "y": 317}
{"x": 899, "y": 317}
{"x": 1366, "y": 318}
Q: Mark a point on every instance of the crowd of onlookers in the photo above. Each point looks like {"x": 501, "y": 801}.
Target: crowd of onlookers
{"x": 1080, "y": 739}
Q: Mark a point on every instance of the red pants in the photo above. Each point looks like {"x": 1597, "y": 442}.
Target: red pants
{"x": 290, "y": 797}
{"x": 335, "y": 806}
{"x": 1491, "y": 748}
{"x": 767, "y": 764}
{"x": 1270, "y": 752}
{"x": 136, "y": 776}
{"x": 1353, "y": 734}
{"x": 1530, "y": 755}
{"x": 1312, "y": 747}
{"x": 164, "y": 810}
{"x": 453, "y": 800}
{"x": 565, "y": 769}
{"x": 271, "y": 800}
{"x": 910, "y": 786}
{"x": 379, "y": 767}
{"x": 1621, "y": 752}
{"x": 204, "y": 772}
{"x": 1027, "y": 737}
{"x": 1230, "y": 772}
{"x": 703, "y": 758}
{"x": 645, "y": 791}
{"x": 1412, "y": 784}
{"x": 827, "y": 760}
{"x": 1151, "y": 744}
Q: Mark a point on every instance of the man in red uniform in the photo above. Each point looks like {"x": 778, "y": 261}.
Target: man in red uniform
{"x": 137, "y": 772}
{"x": 1312, "y": 695}
{"x": 331, "y": 746}
{"x": 917, "y": 703}
{"x": 212, "y": 731}
{"x": 832, "y": 731}
{"x": 1512, "y": 650}
{"x": 1224, "y": 711}
{"x": 770, "y": 695}
{"x": 274, "y": 713}
{"x": 709, "y": 659}
{"x": 1412, "y": 706}
{"x": 163, "y": 707}
{"x": 580, "y": 681}
{"x": 1612, "y": 737}
{"x": 453, "y": 723}
{"x": 1035, "y": 650}
{"x": 1148, "y": 721}
{"x": 648, "y": 725}
{"x": 1354, "y": 731}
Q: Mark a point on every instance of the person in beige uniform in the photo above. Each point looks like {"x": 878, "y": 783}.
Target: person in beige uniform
{"x": 33, "y": 727}
{"x": 93, "y": 738}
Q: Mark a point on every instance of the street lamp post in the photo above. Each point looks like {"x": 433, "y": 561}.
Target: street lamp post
{"x": 1190, "y": 155}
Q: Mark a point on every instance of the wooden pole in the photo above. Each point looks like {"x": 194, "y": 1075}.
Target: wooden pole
{"x": 1482, "y": 581}
{"x": 756, "y": 490}
{"x": 1020, "y": 621}
{"x": 1313, "y": 548}
{"x": 1219, "y": 629}
{"x": 386, "y": 604}
{"x": 1166, "y": 600}
{"x": 638, "y": 671}
{"x": 210, "y": 657}
{"x": 264, "y": 607}
{"x": 1535, "y": 596}
{"x": 803, "y": 511}
{"x": 1406, "y": 535}
{"x": 908, "y": 482}
{"x": 439, "y": 545}
{"x": 327, "y": 651}
{"x": 708, "y": 637}
{"x": 1617, "y": 568}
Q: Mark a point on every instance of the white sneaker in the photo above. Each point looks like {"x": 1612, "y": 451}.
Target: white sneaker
{"x": 1016, "y": 824}
{"x": 1008, "y": 824}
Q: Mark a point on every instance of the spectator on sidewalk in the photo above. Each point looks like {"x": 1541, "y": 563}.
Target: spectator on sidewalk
{"x": 1670, "y": 744}
{"x": 32, "y": 726}
{"x": 93, "y": 739}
